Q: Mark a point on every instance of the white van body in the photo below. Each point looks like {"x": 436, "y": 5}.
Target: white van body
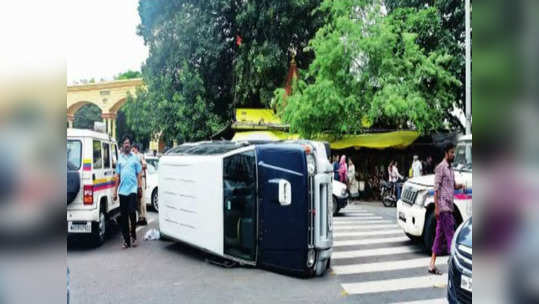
{"x": 93, "y": 155}
{"x": 416, "y": 204}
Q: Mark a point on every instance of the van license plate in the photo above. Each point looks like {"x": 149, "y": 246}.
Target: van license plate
{"x": 466, "y": 283}
{"x": 79, "y": 227}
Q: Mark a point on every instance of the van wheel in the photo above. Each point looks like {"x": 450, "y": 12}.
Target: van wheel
{"x": 429, "y": 232}
{"x": 100, "y": 232}
{"x": 155, "y": 200}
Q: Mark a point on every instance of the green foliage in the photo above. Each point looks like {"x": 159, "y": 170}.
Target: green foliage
{"x": 196, "y": 74}
{"x": 86, "y": 116}
{"x": 128, "y": 75}
{"x": 371, "y": 67}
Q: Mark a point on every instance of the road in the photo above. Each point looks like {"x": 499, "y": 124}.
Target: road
{"x": 373, "y": 262}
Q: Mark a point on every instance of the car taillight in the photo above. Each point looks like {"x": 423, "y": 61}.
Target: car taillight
{"x": 88, "y": 192}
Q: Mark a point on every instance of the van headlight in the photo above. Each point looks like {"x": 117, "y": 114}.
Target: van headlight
{"x": 310, "y": 258}
{"x": 311, "y": 164}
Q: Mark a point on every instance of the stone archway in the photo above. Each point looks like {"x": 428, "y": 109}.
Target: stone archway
{"x": 108, "y": 96}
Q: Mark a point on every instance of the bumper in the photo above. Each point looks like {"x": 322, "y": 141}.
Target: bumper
{"x": 81, "y": 217}
{"x": 454, "y": 293}
{"x": 411, "y": 218}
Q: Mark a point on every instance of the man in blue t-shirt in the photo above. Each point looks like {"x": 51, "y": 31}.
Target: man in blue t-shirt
{"x": 127, "y": 185}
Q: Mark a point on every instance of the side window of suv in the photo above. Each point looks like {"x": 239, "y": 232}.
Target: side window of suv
{"x": 98, "y": 155}
{"x": 106, "y": 155}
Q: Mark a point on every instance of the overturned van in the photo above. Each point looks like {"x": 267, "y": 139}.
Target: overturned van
{"x": 265, "y": 205}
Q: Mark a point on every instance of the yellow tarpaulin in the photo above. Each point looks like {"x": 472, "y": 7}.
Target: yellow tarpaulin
{"x": 256, "y": 116}
{"x": 395, "y": 139}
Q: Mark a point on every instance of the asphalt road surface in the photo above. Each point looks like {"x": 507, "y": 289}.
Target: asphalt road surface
{"x": 373, "y": 262}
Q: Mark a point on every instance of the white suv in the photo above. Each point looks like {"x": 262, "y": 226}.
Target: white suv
{"x": 91, "y": 162}
{"x": 415, "y": 208}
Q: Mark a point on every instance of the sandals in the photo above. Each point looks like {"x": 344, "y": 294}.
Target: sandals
{"x": 434, "y": 271}
{"x": 125, "y": 245}
{"x": 134, "y": 243}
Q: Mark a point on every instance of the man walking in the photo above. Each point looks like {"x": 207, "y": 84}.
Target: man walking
{"x": 141, "y": 202}
{"x": 444, "y": 187}
{"x": 128, "y": 181}
{"x": 417, "y": 167}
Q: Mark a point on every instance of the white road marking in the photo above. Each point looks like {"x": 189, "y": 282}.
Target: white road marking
{"x": 431, "y": 301}
{"x": 344, "y": 223}
{"x": 394, "y": 285}
{"x": 349, "y": 227}
{"x": 373, "y": 252}
{"x": 370, "y": 241}
{"x": 386, "y": 266}
{"x": 369, "y": 233}
{"x": 341, "y": 219}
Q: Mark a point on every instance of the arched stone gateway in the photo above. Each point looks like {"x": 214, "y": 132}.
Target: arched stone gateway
{"x": 108, "y": 96}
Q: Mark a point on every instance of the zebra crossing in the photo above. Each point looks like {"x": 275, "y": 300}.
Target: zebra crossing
{"x": 377, "y": 263}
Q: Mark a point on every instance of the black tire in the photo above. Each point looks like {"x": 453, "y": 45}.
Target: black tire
{"x": 429, "y": 231}
{"x": 100, "y": 232}
{"x": 387, "y": 202}
{"x": 413, "y": 238}
{"x": 155, "y": 200}
{"x": 335, "y": 206}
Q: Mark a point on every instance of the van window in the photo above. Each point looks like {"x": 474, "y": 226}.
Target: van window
{"x": 239, "y": 185}
{"x": 98, "y": 158}
{"x": 114, "y": 154}
{"x": 74, "y": 154}
{"x": 106, "y": 155}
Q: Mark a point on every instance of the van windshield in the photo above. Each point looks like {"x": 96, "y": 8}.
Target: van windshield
{"x": 463, "y": 156}
{"x": 74, "y": 154}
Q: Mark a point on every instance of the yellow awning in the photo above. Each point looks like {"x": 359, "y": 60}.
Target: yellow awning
{"x": 394, "y": 139}
{"x": 256, "y": 116}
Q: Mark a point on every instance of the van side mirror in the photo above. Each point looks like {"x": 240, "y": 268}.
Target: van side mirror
{"x": 285, "y": 192}
{"x": 113, "y": 165}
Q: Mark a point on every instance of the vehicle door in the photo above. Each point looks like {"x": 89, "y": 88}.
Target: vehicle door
{"x": 107, "y": 184}
{"x": 98, "y": 171}
{"x": 283, "y": 206}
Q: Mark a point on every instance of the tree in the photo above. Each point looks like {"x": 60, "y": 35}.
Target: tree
{"x": 369, "y": 70}
{"x": 208, "y": 57}
{"x": 450, "y": 37}
{"x": 86, "y": 116}
{"x": 128, "y": 75}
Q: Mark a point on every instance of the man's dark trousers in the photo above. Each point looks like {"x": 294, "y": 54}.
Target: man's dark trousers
{"x": 128, "y": 214}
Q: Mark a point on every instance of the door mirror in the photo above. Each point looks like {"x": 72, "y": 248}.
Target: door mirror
{"x": 113, "y": 165}
{"x": 285, "y": 192}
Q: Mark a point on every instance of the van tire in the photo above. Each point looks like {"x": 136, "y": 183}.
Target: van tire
{"x": 99, "y": 234}
{"x": 155, "y": 200}
{"x": 429, "y": 232}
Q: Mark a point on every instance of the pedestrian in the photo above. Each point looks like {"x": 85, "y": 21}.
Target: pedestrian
{"x": 353, "y": 184}
{"x": 444, "y": 187}
{"x": 141, "y": 201}
{"x": 390, "y": 172}
{"x": 417, "y": 167}
{"x": 343, "y": 169}
{"x": 336, "y": 167}
{"x": 127, "y": 182}
{"x": 427, "y": 167}
{"x": 394, "y": 178}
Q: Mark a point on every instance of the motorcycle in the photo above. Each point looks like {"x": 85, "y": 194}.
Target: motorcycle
{"x": 388, "y": 192}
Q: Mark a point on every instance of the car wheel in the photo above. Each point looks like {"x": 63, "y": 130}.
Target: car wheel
{"x": 100, "y": 232}
{"x": 413, "y": 238}
{"x": 335, "y": 206}
{"x": 429, "y": 232}
{"x": 155, "y": 200}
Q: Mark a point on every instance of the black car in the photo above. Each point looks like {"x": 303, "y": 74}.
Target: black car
{"x": 459, "y": 287}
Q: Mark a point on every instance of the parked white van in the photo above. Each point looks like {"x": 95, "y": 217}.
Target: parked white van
{"x": 415, "y": 208}
{"x": 91, "y": 162}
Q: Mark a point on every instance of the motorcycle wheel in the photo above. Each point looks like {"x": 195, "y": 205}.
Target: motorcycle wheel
{"x": 387, "y": 202}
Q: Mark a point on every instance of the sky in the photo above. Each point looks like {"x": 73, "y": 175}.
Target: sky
{"x": 102, "y": 39}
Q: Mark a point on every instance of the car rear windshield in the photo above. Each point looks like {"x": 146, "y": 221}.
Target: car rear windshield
{"x": 74, "y": 154}
{"x": 210, "y": 148}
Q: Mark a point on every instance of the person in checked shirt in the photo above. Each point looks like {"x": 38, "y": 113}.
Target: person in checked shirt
{"x": 444, "y": 187}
